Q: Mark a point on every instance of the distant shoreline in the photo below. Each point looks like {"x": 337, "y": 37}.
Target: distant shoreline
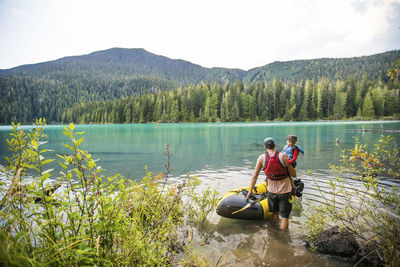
{"x": 384, "y": 119}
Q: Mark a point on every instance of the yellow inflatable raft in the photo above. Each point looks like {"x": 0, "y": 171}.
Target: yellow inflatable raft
{"x": 235, "y": 205}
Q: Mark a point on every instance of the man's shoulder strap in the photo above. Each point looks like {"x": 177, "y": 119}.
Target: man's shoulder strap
{"x": 266, "y": 159}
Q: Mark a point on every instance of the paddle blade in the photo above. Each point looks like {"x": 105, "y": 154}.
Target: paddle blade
{"x": 245, "y": 207}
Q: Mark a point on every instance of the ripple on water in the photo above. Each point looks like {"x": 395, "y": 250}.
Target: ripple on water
{"x": 258, "y": 243}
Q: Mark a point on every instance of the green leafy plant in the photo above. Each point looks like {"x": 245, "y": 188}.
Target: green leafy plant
{"x": 91, "y": 220}
{"x": 371, "y": 211}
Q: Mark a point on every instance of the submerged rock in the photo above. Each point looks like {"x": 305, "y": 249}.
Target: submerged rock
{"x": 343, "y": 244}
{"x": 334, "y": 242}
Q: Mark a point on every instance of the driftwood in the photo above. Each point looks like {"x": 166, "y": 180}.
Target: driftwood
{"x": 12, "y": 189}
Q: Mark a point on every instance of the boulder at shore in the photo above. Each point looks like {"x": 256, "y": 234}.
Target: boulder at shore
{"x": 343, "y": 244}
{"x": 334, "y": 242}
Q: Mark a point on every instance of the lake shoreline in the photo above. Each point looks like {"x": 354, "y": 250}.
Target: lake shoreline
{"x": 384, "y": 119}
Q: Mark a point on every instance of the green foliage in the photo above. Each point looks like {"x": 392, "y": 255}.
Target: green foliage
{"x": 192, "y": 258}
{"x": 395, "y": 71}
{"x": 368, "y": 107}
{"x": 371, "y": 211}
{"x": 239, "y": 102}
{"x": 89, "y": 221}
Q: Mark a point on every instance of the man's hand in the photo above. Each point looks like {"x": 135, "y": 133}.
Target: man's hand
{"x": 250, "y": 194}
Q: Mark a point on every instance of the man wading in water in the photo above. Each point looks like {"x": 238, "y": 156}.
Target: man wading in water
{"x": 279, "y": 184}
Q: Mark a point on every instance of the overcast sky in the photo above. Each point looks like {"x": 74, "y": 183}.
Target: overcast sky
{"x": 212, "y": 33}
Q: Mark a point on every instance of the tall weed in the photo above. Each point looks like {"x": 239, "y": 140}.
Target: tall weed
{"x": 92, "y": 219}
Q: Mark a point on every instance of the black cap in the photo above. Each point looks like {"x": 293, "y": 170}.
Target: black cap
{"x": 269, "y": 141}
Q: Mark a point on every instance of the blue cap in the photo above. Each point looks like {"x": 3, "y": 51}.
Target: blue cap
{"x": 269, "y": 141}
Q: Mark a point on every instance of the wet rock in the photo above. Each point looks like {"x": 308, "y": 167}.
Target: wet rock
{"x": 334, "y": 242}
{"x": 369, "y": 255}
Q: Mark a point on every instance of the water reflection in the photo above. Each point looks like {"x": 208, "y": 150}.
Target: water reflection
{"x": 128, "y": 148}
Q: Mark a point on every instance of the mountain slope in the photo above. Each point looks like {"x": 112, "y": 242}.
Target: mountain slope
{"x": 121, "y": 62}
{"x": 129, "y": 62}
{"x": 374, "y": 66}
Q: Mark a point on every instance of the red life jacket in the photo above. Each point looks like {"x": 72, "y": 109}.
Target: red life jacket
{"x": 274, "y": 168}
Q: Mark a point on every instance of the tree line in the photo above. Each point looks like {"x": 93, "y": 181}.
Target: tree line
{"x": 25, "y": 98}
{"x": 277, "y": 100}
{"x": 50, "y": 89}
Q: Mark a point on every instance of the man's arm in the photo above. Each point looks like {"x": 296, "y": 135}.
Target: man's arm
{"x": 285, "y": 162}
{"x": 257, "y": 170}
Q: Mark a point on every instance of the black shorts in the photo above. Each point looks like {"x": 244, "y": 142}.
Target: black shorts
{"x": 281, "y": 203}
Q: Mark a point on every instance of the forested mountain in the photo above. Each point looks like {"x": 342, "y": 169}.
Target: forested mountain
{"x": 49, "y": 89}
{"x": 121, "y": 62}
{"x": 374, "y": 66}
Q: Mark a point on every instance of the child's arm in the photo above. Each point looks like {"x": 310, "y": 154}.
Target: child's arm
{"x": 295, "y": 154}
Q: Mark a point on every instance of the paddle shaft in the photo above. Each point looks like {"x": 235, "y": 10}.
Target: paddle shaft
{"x": 248, "y": 205}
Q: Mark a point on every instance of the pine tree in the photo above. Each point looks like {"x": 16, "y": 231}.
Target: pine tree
{"x": 214, "y": 104}
{"x": 350, "y": 89}
{"x": 158, "y": 109}
{"x": 368, "y": 106}
{"x": 378, "y": 101}
{"x": 252, "y": 107}
{"x": 185, "y": 108}
{"x": 245, "y": 105}
{"x": 322, "y": 101}
{"x": 175, "y": 113}
{"x": 339, "y": 111}
{"x": 306, "y": 111}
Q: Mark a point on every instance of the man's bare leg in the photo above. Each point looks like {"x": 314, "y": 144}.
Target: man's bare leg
{"x": 284, "y": 224}
{"x": 276, "y": 216}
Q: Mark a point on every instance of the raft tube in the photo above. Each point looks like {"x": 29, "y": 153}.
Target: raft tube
{"x": 235, "y": 200}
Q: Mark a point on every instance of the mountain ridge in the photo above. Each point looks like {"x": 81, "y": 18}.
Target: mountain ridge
{"x": 47, "y": 89}
{"x": 138, "y": 61}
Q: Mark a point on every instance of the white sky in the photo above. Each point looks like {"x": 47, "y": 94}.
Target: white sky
{"x": 212, "y": 33}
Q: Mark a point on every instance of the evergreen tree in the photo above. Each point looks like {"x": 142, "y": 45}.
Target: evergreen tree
{"x": 322, "y": 99}
{"x": 252, "y": 107}
{"x": 368, "y": 106}
{"x": 185, "y": 108}
{"x": 245, "y": 105}
{"x": 350, "y": 89}
{"x": 158, "y": 109}
{"x": 283, "y": 100}
{"x": 391, "y": 102}
{"x": 206, "y": 114}
{"x": 214, "y": 105}
{"x": 306, "y": 111}
{"x": 378, "y": 101}
{"x": 339, "y": 111}
{"x": 175, "y": 114}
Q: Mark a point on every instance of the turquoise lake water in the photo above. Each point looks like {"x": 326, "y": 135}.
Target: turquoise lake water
{"x": 223, "y": 155}
{"x": 128, "y": 148}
